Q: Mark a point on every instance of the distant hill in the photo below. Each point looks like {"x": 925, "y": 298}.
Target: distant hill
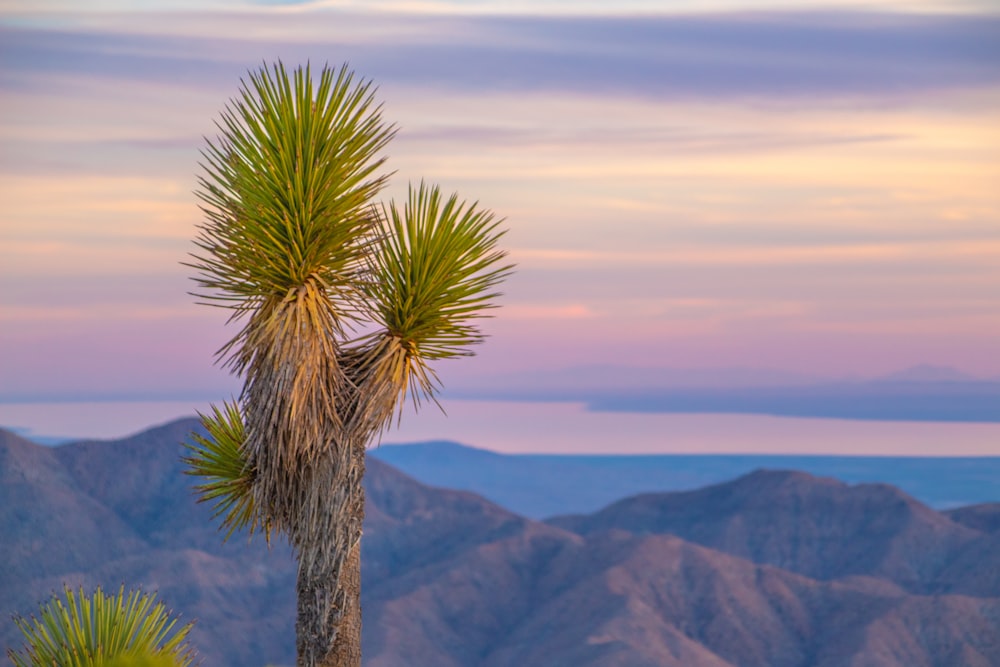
{"x": 774, "y": 569}
{"x": 813, "y": 526}
{"x": 984, "y": 517}
{"x": 544, "y": 485}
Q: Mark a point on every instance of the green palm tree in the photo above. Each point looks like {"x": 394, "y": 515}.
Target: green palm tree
{"x": 101, "y": 630}
{"x": 342, "y": 303}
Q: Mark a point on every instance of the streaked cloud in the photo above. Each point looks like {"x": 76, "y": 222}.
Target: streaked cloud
{"x": 75, "y": 314}
{"x": 722, "y": 55}
{"x": 845, "y": 255}
{"x": 491, "y": 7}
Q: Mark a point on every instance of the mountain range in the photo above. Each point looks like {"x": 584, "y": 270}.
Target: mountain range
{"x": 543, "y": 485}
{"x": 774, "y": 568}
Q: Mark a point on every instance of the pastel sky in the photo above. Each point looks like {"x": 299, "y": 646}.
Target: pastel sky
{"x": 804, "y": 186}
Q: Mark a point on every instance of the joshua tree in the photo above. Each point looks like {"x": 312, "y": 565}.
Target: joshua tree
{"x": 342, "y": 303}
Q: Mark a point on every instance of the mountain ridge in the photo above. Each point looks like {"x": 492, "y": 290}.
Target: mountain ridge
{"x": 868, "y": 529}
{"x": 451, "y": 579}
{"x": 545, "y": 485}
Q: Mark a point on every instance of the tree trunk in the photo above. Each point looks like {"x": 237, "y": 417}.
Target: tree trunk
{"x": 323, "y": 618}
{"x": 328, "y": 625}
{"x": 346, "y": 650}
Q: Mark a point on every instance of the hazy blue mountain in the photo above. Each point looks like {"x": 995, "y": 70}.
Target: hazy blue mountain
{"x": 921, "y": 393}
{"x": 984, "y": 517}
{"x": 544, "y": 485}
{"x": 614, "y": 377}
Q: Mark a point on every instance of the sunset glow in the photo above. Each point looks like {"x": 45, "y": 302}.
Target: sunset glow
{"x": 804, "y": 189}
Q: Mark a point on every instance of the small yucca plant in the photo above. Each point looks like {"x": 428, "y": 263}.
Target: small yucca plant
{"x": 123, "y": 630}
{"x": 140, "y": 661}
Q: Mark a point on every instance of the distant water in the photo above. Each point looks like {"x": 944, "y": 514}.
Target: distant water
{"x": 519, "y": 427}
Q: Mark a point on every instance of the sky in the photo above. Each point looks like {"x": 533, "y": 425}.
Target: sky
{"x": 807, "y": 187}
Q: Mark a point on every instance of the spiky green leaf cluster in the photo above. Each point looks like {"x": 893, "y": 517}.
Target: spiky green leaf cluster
{"x": 287, "y": 191}
{"x": 434, "y": 269}
{"x": 92, "y": 631}
{"x": 219, "y": 460}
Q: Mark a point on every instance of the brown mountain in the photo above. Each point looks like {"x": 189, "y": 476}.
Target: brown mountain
{"x": 775, "y": 569}
{"x": 818, "y": 527}
{"x": 107, "y": 513}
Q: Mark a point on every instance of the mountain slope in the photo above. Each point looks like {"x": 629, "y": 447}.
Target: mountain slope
{"x": 984, "y": 517}
{"x": 104, "y": 513}
{"x": 451, "y": 579}
{"x": 818, "y": 527}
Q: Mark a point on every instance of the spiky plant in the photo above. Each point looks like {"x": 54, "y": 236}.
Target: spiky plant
{"x": 101, "y": 630}
{"x": 342, "y": 305}
{"x": 217, "y": 458}
{"x": 139, "y": 661}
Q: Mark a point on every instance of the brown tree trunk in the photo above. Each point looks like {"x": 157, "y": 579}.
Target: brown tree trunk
{"x": 323, "y": 615}
{"x": 328, "y": 625}
{"x": 346, "y": 650}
